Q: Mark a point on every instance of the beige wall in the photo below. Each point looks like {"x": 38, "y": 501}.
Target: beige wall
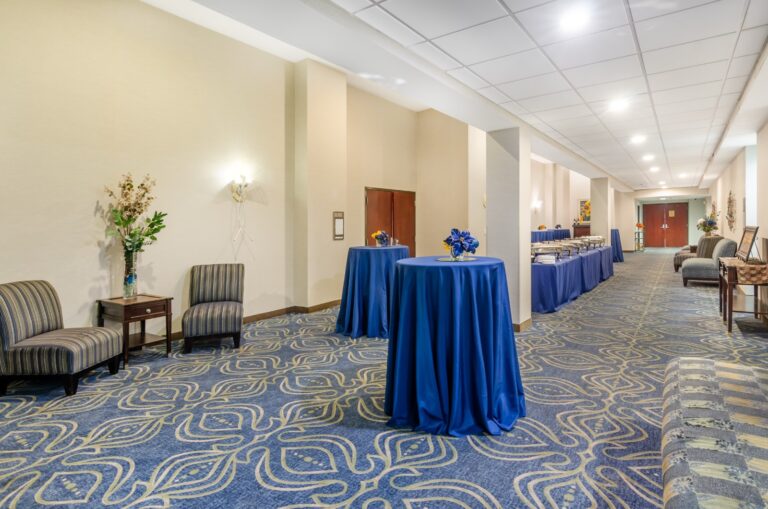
{"x": 579, "y": 190}
{"x": 441, "y": 181}
{"x": 733, "y": 180}
{"x": 381, "y": 152}
{"x": 92, "y": 90}
{"x": 762, "y": 183}
{"x": 624, "y": 219}
{"x": 476, "y": 191}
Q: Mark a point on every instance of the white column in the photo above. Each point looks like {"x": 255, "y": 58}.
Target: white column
{"x": 508, "y": 184}
{"x": 601, "y": 198}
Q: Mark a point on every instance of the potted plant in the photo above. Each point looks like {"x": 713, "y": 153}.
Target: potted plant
{"x": 708, "y": 223}
{"x": 131, "y": 226}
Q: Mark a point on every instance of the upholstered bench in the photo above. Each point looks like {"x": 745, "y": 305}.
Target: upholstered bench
{"x": 703, "y": 249}
{"x": 714, "y": 435}
{"x": 35, "y": 344}
{"x": 706, "y": 269}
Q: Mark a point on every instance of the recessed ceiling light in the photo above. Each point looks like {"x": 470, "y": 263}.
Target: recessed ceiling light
{"x": 661, "y": 182}
{"x": 618, "y": 105}
{"x": 662, "y": 198}
{"x": 574, "y": 19}
{"x": 682, "y": 175}
{"x": 649, "y": 157}
{"x": 663, "y": 187}
{"x": 653, "y": 169}
{"x": 638, "y": 139}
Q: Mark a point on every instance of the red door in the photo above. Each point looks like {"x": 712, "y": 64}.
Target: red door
{"x": 666, "y": 224}
{"x": 393, "y": 211}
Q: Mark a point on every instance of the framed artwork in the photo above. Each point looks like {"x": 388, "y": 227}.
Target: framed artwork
{"x": 585, "y": 211}
{"x": 338, "y": 225}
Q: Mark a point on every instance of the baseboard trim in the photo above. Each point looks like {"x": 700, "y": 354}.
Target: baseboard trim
{"x": 522, "y": 327}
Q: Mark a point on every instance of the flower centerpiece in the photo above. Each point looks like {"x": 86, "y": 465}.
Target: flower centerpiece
{"x": 460, "y": 242}
{"x": 708, "y": 223}
{"x": 130, "y": 225}
{"x": 381, "y": 237}
{"x": 542, "y": 227}
{"x": 558, "y": 226}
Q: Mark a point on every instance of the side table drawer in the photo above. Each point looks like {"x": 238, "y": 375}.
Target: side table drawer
{"x": 155, "y": 308}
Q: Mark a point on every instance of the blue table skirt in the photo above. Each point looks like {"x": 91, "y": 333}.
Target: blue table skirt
{"x": 618, "y": 253}
{"x": 365, "y": 299}
{"x": 549, "y": 235}
{"x": 452, "y": 366}
{"x": 554, "y": 285}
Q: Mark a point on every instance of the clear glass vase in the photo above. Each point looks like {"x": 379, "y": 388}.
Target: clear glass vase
{"x": 129, "y": 278}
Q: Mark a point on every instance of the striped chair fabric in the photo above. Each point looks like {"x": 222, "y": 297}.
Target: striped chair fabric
{"x": 714, "y": 435}
{"x": 216, "y": 283}
{"x": 33, "y": 340}
{"x": 216, "y": 297}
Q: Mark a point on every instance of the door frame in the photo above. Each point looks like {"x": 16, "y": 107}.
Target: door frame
{"x": 365, "y": 208}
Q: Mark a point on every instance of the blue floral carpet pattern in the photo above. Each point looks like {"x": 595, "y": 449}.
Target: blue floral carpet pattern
{"x": 294, "y": 419}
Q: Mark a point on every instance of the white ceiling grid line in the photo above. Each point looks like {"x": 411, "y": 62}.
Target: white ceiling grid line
{"x": 678, "y": 67}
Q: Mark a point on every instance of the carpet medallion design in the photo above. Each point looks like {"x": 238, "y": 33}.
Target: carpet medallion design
{"x": 295, "y": 418}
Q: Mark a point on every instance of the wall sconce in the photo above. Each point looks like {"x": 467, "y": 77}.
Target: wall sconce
{"x": 239, "y": 189}
{"x": 536, "y": 204}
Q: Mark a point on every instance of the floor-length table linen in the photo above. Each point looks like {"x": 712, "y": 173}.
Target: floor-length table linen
{"x": 365, "y": 299}
{"x": 618, "y": 253}
{"x": 452, "y": 366}
{"x": 555, "y": 284}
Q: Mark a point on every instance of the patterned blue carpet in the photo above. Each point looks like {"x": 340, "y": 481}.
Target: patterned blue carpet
{"x": 295, "y": 418}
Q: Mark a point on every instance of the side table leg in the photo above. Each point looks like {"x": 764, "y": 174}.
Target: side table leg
{"x": 755, "y": 301}
{"x": 168, "y": 321}
{"x": 730, "y": 308}
{"x": 143, "y": 333}
{"x": 126, "y": 338}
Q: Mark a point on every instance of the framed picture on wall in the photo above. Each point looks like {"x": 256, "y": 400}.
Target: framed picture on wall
{"x": 585, "y": 211}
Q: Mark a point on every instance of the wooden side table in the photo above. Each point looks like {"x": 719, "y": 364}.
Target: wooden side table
{"x": 138, "y": 309}
{"x": 729, "y": 303}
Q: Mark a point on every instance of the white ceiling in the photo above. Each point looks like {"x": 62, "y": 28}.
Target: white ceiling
{"x": 680, "y": 64}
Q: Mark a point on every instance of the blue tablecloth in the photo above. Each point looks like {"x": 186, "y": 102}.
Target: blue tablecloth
{"x": 553, "y": 285}
{"x": 618, "y": 254}
{"x": 548, "y": 235}
{"x": 606, "y": 263}
{"x": 591, "y": 268}
{"x": 367, "y": 285}
{"x": 452, "y": 366}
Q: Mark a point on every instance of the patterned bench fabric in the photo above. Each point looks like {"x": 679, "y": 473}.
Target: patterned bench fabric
{"x": 28, "y": 308}
{"x": 216, "y": 283}
{"x": 704, "y": 249}
{"x": 63, "y": 351}
{"x": 715, "y": 435}
{"x": 212, "y": 318}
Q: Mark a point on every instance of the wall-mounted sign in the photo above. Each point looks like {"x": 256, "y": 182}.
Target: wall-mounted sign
{"x": 338, "y": 226}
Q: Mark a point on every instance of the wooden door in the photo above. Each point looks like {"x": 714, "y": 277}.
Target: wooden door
{"x": 378, "y": 213}
{"x": 677, "y": 225}
{"x": 404, "y": 219}
{"x": 666, "y": 224}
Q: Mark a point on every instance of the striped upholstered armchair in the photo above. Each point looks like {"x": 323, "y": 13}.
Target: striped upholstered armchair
{"x": 35, "y": 344}
{"x": 216, "y": 303}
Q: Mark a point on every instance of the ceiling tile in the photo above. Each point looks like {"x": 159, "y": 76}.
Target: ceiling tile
{"x": 543, "y": 22}
{"x": 551, "y": 101}
{"x": 494, "y": 95}
{"x": 735, "y": 85}
{"x": 692, "y": 53}
{"x": 389, "y": 26}
{"x": 685, "y": 93}
{"x": 587, "y": 49}
{"x": 742, "y": 66}
{"x": 513, "y": 67}
{"x": 613, "y": 89}
{"x": 690, "y": 105}
{"x": 514, "y": 108}
{"x": 700, "y": 22}
{"x": 487, "y": 41}
{"x": 751, "y": 41}
{"x": 433, "y": 18}
{"x": 757, "y": 14}
{"x": 519, "y": 5}
{"x": 642, "y": 9}
{"x": 469, "y": 78}
{"x": 714, "y": 71}
{"x": 433, "y": 54}
{"x": 352, "y": 5}
{"x": 686, "y": 116}
{"x": 537, "y": 85}
{"x": 602, "y": 72}
{"x": 562, "y": 113}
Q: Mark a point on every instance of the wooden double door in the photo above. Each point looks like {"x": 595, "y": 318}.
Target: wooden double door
{"x": 392, "y": 211}
{"x": 666, "y": 224}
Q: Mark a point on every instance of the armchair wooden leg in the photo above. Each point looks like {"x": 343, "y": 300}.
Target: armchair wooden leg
{"x": 70, "y": 384}
{"x": 4, "y": 381}
{"x": 187, "y": 345}
{"x": 685, "y": 281}
{"x": 114, "y": 365}
{"x": 238, "y": 335}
